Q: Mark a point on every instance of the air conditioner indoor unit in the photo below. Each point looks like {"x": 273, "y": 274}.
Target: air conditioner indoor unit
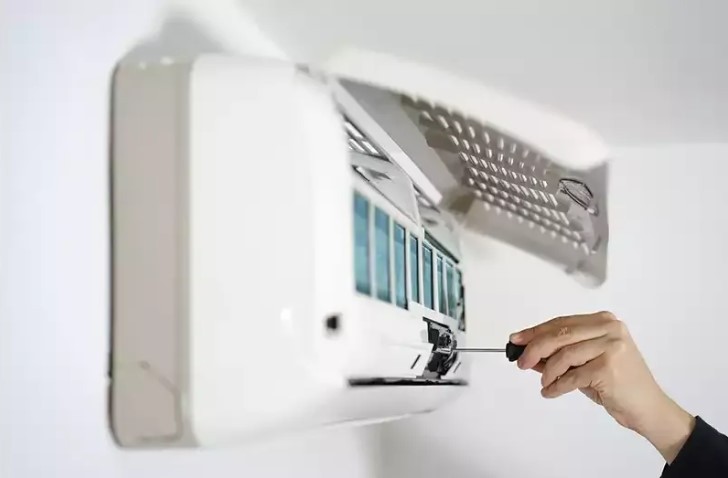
{"x": 286, "y": 239}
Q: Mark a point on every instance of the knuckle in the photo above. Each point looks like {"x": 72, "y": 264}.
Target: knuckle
{"x": 618, "y": 328}
{"x": 552, "y": 324}
{"x": 607, "y": 315}
{"x": 559, "y": 335}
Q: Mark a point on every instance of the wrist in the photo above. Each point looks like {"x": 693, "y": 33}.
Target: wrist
{"x": 667, "y": 426}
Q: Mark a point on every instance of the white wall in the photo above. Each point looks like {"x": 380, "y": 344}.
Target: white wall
{"x": 56, "y": 59}
{"x": 666, "y": 280}
{"x": 638, "y": 72}
{"x": 665, "y": 275}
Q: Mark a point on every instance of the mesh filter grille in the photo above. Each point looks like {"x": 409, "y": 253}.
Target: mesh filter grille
{"x": 507, "y": 175}
{"x": 489, "y": 180}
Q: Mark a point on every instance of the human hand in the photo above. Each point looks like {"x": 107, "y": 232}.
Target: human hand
{"x": 596, "y": 354}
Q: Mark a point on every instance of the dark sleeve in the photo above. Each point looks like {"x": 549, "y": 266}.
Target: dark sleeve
{"x": 704, "y": 454}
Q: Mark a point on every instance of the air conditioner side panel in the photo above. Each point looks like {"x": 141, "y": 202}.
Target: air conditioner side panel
{"x": 148, "y": 368}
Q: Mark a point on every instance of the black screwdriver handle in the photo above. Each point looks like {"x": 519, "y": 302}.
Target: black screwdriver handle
{"x": 513, "y": 351}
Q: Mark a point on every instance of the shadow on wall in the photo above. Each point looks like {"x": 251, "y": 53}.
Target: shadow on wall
{"x": 451, "y": 441}
{"x": 418, "y": 455}
{"x": 178, "y": 37}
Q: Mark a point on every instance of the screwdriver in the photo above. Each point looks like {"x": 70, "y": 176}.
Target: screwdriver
{"x": 512, "y": 351}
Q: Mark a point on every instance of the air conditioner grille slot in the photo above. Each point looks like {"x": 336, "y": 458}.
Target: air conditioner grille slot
{"x": 360, "y": 143}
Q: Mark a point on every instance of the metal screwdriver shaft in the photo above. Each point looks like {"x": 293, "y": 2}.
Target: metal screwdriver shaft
{"x": 512, "y": 351}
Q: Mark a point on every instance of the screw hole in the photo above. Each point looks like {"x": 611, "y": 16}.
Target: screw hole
{"x": 333, "y": 323}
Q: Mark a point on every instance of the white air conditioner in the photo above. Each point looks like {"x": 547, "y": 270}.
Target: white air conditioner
{"x": 285, "y": 239}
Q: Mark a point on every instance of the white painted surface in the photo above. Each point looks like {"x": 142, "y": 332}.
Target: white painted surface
{"x": 56, "y": 61}
{"x": 666, "y": 281}
{"x": 635, "y": 71}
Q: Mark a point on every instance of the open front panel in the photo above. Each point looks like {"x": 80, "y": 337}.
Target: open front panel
{"x": 492, "y": 181}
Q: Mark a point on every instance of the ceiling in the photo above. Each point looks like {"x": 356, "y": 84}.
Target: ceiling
{"x": 638, "y": 72}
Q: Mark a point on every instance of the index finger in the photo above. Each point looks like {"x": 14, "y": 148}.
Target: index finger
{"x": 567, "y": 332}
{"x": 526, "y": 336}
